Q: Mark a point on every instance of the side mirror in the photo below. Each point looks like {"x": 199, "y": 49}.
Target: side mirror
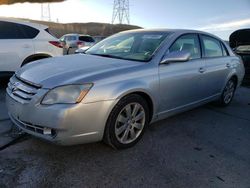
{"x": 179, "y": 56}
{"x": 82, "y": 50}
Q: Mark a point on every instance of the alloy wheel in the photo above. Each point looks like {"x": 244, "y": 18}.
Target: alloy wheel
{"x": 229, "y": 91}
{"x": 130, "y": 123}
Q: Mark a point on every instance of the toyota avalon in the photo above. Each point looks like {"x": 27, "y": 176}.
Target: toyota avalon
{"x": 119, "y": 86}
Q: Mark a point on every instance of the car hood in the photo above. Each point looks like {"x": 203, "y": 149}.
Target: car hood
{"x": 73, "y": 69}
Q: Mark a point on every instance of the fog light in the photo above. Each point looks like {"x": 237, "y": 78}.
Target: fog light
{"x": 47, "y": 131}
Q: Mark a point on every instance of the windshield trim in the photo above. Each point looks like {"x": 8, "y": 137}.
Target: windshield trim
{"x": 118, "y": 57}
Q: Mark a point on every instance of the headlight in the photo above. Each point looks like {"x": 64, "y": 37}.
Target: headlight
{"x": 69, "y": 94}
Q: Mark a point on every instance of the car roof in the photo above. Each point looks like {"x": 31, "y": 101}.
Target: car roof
{"x": 176, "y": 31}
{"x": 24, "y": 22}
{"x": 76, "y": 34}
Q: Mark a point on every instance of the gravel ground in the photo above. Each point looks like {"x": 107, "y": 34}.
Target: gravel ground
{"x": 205, "y": 147}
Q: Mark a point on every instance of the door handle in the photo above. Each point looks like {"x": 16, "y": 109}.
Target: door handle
{"x": 202, "y": 70}
{"x": 228, "y": 65}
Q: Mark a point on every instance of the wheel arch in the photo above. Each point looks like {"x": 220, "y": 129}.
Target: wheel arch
{"x": 35, "y": 57}
{"x": 235, "y": 78}
{"x": 146, "y": 96}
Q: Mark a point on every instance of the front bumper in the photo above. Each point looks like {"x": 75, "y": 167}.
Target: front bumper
{"x": 61, "y": 123}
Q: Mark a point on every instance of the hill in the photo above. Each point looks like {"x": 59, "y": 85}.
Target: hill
{"x": 94, "y": 29}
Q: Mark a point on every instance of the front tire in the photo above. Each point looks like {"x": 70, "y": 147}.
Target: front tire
{"x": 127, "y": 122}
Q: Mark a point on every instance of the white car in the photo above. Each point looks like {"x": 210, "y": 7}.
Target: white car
{"x": 22, "y": 42}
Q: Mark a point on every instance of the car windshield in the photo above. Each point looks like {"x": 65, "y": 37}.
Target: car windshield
{"x": 138, "y": 46}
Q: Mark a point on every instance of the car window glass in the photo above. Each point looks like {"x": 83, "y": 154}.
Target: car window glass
{"x": 131, "y": 46}
{"x": 149, "y": 44}
{"x": 212, "y": 47}
{"x": 70, "y": 38}
{"x": 10, "y": 31}
{"x": 30, "y": 32}
{"x": 86, "y": 39}
{"x": 224, "y": 50}
{"x": 190, "y": 43}
{"x": 126, "y": 44}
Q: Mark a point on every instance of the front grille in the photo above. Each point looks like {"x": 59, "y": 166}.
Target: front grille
{"x": 21, "y": 90}
{"x": 35, "y": 128}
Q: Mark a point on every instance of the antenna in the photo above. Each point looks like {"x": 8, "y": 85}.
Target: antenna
{"x": 121, "y": 12}
{"x": 45, "y": 12}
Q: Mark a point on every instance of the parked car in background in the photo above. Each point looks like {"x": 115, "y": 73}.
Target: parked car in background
{"x": 240, "y": 42}
{"x": 98, "y": 38}
{"x": 121, "y": 84}
{"x": 83, "y": 49}
{"x": 244, "y": 53}
{"x": 22, "y": 42}
{"x": 76, "y": 41}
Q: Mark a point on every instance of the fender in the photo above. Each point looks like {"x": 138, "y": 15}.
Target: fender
{"x": 116, "y": 91}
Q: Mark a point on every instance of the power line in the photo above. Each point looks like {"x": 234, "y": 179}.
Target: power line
{"x": 45, "y": 12}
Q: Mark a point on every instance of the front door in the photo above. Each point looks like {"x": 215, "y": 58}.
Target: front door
{"x": 181, "y": 83}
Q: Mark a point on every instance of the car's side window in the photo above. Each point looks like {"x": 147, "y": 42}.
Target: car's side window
{"x": 211, "y": 46}
{"x": 29, "y": 32}
{"x": 10, "y": 31}
{"x": 188, "y": 42}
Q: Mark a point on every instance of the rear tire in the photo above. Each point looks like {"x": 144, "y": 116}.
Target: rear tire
{"x": 228, "y": 93}
{"x": 127, "y": 122}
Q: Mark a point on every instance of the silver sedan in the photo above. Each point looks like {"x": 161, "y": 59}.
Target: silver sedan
{"x": 121, "y": 85}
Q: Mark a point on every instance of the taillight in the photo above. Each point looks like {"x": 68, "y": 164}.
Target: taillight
{"x": 56, "y": 43}
{"x": 80, "y": 44}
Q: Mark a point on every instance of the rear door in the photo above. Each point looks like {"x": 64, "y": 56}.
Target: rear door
{"x": 15, "y": 46}
{"x": 181, "y": 83}
{"x": 217, "y": 65}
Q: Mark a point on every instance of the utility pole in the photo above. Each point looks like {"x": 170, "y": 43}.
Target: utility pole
{"x": 45, "y": 12}
{"x": 121, "y": 12}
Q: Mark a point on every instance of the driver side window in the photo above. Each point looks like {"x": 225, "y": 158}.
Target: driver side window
{"x": 190, "y": 43}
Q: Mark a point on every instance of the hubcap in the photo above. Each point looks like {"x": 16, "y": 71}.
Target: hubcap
{"x": 229, "y": 92}
{"x": 130, "y": 123}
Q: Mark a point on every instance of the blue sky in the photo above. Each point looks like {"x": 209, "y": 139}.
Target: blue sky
{"x": 220, "y": 17}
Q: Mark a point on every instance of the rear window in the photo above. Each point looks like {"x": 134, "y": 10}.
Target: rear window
{"x": 86, "y": 39}
{"x": 70, "y": 38}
